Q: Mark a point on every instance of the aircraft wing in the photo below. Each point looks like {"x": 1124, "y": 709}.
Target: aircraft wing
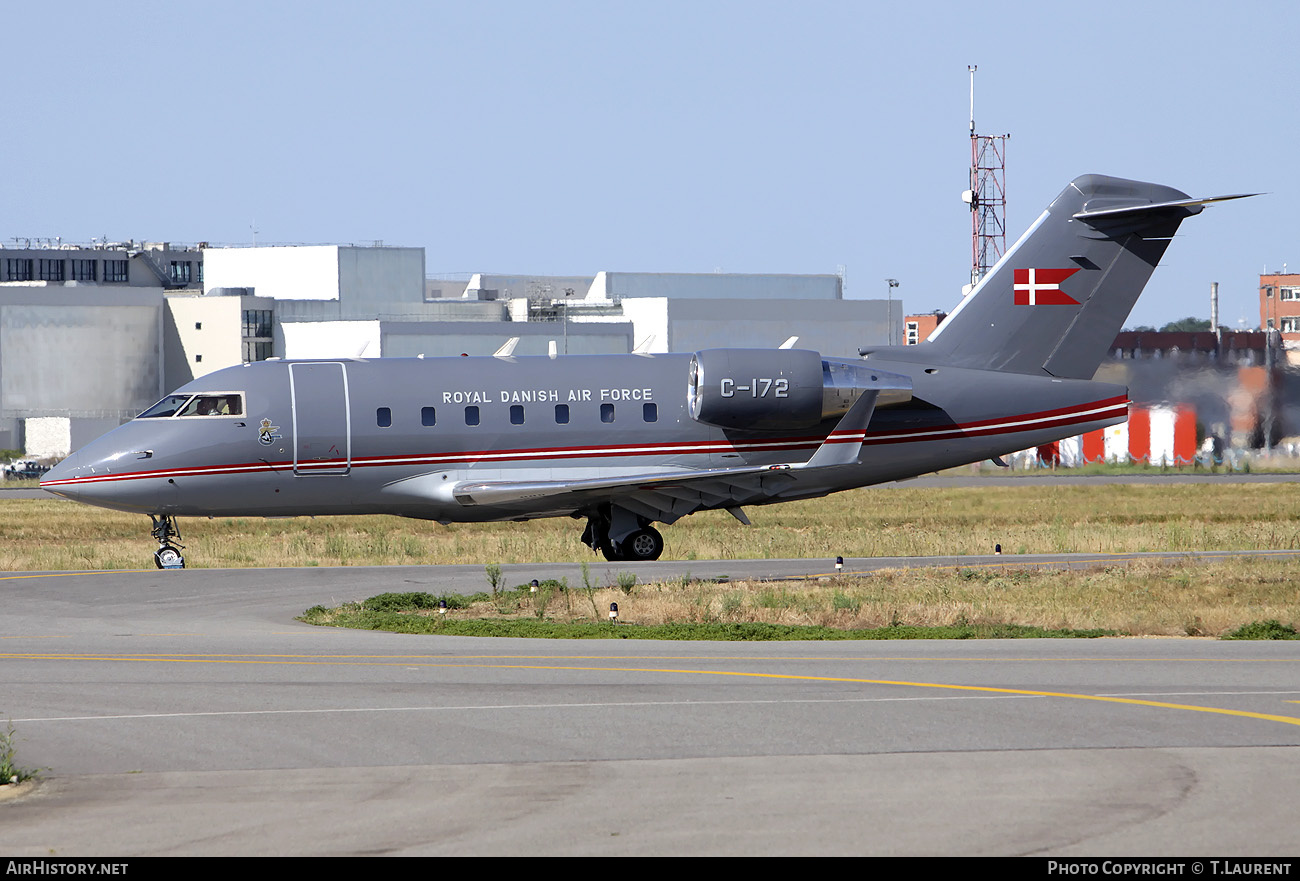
{"x": 500, "y": 492}
{"x": 665, "y": 495}
{"x": 662, "y": 495}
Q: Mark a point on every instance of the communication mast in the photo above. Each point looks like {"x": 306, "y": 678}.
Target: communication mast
{"x": 987, "y": 196}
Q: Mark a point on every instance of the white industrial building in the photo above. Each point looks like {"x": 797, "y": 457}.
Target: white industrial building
{"x": 344, "y": 301}
{"x": 94, "y": 352}
{"x": 82, "y": 334}
{"x": 678, "y": 312}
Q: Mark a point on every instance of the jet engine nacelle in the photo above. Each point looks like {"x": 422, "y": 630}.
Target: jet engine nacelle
{"x": 775, "y": 389}
{"x": 756, "y": 388}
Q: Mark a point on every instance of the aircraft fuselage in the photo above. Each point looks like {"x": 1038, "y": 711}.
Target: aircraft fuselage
{"x": 385, "y": 435}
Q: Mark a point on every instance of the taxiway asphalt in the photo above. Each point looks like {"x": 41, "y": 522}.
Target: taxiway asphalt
{"x": 189, "y": 713}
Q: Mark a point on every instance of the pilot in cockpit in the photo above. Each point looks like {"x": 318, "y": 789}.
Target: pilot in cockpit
{"x": 213, "y": 405}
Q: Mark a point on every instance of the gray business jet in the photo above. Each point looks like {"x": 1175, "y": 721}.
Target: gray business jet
{"x": 627, "y": 441}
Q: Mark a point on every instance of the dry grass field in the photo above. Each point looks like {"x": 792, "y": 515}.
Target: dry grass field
{"x": 879, "y": 522}
{"x": 1178, "y": 598}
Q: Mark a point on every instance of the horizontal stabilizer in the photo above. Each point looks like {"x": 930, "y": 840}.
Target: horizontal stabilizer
{"x": 1152, "y": 207}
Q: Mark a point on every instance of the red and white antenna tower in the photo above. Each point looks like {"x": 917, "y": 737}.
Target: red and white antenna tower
{"x": 987, "y": 196}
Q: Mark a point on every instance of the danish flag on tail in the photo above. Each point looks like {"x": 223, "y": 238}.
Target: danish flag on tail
{"x": 1042, "y": 287}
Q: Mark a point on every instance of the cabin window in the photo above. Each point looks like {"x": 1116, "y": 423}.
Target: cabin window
{"x": 384, "y": 417}
{"x": 428, "y": 416}
{"x": 606, "y": 412}
{"x": 471, "y": 415}
{"x": 650, "y": 412}
{"x": 561, "y": 414}
{"x": 516, "y": 414}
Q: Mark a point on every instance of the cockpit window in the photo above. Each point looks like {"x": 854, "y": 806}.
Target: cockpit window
{"x": 166, "y": 407}
{"x": 216, "y": 404}
{"x": 213, "y": 405}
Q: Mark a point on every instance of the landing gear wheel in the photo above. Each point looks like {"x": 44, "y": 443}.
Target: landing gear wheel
{"x": 637, "y": 540}
{"x": 167, "y": 557}
{"x": 643, "y": 545}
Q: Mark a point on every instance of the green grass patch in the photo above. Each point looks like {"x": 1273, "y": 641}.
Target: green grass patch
{"x": 407, "y": 602}
{"x": 1270, "y": 629}
{"x": 368, "y": 616}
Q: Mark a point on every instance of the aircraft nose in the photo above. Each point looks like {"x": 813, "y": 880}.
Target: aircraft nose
{"x": 60, "y": 479}
{"x": 100, "y": 474}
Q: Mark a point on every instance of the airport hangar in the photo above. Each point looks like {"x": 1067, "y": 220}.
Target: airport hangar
{"x": 90, "y": 335}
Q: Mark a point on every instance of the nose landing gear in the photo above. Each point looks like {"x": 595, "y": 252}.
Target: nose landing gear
{"x": 168, "y": 555}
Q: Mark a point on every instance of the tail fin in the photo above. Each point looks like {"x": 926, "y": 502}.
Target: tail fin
{"x": 1056, "y": 299}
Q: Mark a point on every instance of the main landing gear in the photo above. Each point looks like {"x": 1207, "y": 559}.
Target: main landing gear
{"x": 168, "y": 555}
{"x": 622, "y": 536}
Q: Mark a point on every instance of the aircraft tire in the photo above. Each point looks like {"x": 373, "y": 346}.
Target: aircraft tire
{"x": 167, "y": 557}
{"x": 643, "y": 545}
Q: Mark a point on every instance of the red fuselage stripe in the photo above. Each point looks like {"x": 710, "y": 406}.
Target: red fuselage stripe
{"x": 1111, "y": 408}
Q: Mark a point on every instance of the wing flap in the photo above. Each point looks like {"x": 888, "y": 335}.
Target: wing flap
{"x": 498, "y": 492}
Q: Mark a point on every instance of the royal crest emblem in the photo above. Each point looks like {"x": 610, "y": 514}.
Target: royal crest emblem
{"x": 266, "y": 433}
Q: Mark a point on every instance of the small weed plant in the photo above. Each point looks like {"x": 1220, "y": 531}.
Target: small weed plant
{"x": 10, "y": 772}
{"x": 626, "y": 582}
{"x": 494, "y": 576}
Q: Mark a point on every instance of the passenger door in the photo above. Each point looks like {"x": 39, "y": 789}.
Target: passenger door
{"x": 322, "y": 428}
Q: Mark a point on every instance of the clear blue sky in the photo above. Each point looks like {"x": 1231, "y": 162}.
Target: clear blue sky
{"x": 570, "y": 137}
